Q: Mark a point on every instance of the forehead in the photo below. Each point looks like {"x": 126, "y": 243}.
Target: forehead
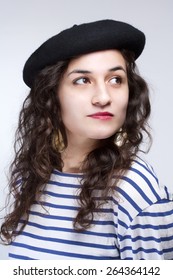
{"x": 98, "y": 60}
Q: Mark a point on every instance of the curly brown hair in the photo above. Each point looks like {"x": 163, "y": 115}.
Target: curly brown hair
{"x": 36, "y": 156}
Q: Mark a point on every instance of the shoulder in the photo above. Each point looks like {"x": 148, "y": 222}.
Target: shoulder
{"x": 140, "y": 184}
{"x": 137, "y": 190}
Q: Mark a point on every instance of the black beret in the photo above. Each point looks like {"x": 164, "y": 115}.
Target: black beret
{"x": 82, "y": 39}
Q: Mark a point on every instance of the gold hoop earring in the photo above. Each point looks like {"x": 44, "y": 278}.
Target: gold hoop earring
{"x": 57, "y": 141}
{"x": 121, "y": 137}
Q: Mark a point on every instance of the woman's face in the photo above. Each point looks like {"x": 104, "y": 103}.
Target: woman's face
{"x": 93, "y": 94}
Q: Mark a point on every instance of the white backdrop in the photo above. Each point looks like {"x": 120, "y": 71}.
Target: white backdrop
{"x": 26, "y": 24}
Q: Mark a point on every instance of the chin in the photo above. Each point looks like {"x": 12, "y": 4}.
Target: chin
{"x": 105, "y": 132}
{"x": 102, "y": 136}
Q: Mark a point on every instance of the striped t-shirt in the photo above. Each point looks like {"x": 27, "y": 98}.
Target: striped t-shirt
{"x": 135, "y": 223}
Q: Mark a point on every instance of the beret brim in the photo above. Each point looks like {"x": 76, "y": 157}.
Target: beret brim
{"x": 82, "y": 39}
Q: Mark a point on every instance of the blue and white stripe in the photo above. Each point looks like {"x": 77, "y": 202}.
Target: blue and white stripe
{"x": 135, "y": 223}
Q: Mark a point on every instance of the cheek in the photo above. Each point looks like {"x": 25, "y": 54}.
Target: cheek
{"x": 124, "y": 106}
{"x": 64, "y": 101}
{"x": 70, "y": 109}
{"x": 121, "y": 102}
{"x": 125, "y": 98}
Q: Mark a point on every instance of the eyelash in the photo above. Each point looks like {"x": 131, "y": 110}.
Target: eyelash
{"x": 76, "y": 81}
{"x": 118, "y": 79}
{"x": 87, "y": 80}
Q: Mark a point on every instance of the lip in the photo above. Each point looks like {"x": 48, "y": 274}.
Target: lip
{"x": 101, "y": 115}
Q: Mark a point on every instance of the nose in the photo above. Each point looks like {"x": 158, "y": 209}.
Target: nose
{"x": 101, "y": 96}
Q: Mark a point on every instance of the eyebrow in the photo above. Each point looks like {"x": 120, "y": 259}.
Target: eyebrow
{"x": 117, "y": 68}
{"x": 80, "y": 71}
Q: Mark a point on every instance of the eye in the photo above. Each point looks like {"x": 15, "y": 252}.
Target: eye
{"x": 81, "y": 81}
{"x": 115, "y": 80}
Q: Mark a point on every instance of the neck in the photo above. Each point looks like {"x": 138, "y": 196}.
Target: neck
{"x": 75, "y": 153}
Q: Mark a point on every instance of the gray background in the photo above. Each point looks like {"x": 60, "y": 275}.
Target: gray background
{"x": 26, "y": 24}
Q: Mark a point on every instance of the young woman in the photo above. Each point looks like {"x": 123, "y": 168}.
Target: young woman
{"x": 80, "y": 189}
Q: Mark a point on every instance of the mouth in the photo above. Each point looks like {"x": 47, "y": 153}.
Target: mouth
{"x": 101, "y": 115}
